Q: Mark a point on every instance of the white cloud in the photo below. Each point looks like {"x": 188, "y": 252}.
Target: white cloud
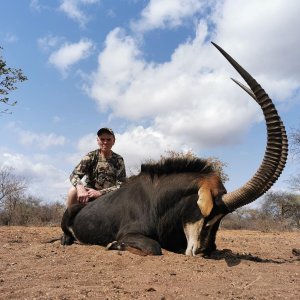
{"x": 87, "y": 143}
{"x": 262, "y": 33}
{"x": 189, "y": 98}
{"x": 36, "y": 5}
{"x": 139, "y": 143}
{"x": 11, "y": 38}
{"x": 74, "y": 9}
{"x": 184, "y": 99}
{"x": 188, "y": 101}
{"x": 49, "y": 42}
{"x": 111, "y": 13}
{"x": 166, "y": 14}
{"x": 43, "y": 178}
{"x": 70, "y": 54}
{"x": 41, "y": 141}
{"x": 57, "y": 119}
{"x": 118, "y": 66}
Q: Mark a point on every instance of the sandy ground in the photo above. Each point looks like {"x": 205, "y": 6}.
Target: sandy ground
{"x": 251, "y": 265}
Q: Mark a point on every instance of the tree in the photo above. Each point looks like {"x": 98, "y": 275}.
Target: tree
{"x": 17, "y": 207}
{"x": 282, "y": 207}
{"x": 294, "y": 180}
{"x": 12, "y": 188}
{"x": 8, "y": 79}
{"x": 295, "y": 142}
{"x": 242, "y": 218}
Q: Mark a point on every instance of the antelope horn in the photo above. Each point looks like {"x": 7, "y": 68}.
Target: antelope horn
{"x": 284, "y": 153}
{"x": 277, "y": 145}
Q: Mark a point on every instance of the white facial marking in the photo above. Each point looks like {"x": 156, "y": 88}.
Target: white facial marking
{"x": 192, "y": 233}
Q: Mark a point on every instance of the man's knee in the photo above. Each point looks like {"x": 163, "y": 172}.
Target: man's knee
{"x": 72, "y": 196}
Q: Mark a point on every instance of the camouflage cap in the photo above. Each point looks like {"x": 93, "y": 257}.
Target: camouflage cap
{"x": 105, "y": 130}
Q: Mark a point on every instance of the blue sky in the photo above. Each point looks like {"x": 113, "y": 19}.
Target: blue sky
{"x": 146, "y": 69}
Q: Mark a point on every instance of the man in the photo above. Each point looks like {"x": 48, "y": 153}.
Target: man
{"x": 103, "y": 169}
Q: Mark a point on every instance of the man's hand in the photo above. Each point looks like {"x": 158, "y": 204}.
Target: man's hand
{"x": 93, "y": 193}
{"x": 82, "y": 193}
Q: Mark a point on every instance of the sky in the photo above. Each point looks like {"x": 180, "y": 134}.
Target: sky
{"x": 148, "y": 70}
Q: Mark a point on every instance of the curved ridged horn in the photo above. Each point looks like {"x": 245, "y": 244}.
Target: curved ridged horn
{"x": 284, "y": 153}
{"x": 277, "y": 145}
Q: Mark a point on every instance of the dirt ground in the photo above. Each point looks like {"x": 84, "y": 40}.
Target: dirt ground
{"x": 250, "y": 265}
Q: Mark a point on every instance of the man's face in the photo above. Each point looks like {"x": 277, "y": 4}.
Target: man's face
{"x": 105, "y": 141}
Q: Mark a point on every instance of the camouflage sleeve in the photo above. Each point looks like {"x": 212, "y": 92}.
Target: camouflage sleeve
{"x": 110, "y": 189}
{"x": 121, "y": 172}
{"x": 80, "y": 170}
{"x": 121, "y": 177}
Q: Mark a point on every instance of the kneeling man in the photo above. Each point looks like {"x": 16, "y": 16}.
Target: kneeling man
{"x": 103, "y": 169}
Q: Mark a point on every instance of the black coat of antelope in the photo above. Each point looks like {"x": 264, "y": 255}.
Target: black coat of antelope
{"x": 177, "y": 204}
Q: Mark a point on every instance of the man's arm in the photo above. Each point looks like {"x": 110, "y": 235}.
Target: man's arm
{"x": 121, "y": 172}
{"x": 78, "y": 173}
{"x": 82, "y": 193}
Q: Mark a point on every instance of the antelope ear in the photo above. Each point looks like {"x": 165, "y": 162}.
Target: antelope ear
{"x": 205, "y": 201}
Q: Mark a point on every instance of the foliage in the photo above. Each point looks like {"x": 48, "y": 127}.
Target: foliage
{"x": 8, "y": 79}
{"x": 32, "y": 211}
{"x": 282, "y": 207}
{"x": 279, "y": 211}
{"x": 294, "y": 180}
{"x": 17, "y": 208}
{"x": 295, "y": 142}
{"x": 11, "y": 191}
{"x": 9, "y": 184}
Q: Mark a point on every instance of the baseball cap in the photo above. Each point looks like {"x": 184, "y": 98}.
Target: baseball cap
{"x": 105, "y": 130}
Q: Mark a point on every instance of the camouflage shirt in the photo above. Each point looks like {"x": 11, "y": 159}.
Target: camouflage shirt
{"x": 105, "y": 174}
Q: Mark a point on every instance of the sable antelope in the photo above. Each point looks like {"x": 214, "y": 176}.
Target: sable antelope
{"x": 177, "y": 204}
